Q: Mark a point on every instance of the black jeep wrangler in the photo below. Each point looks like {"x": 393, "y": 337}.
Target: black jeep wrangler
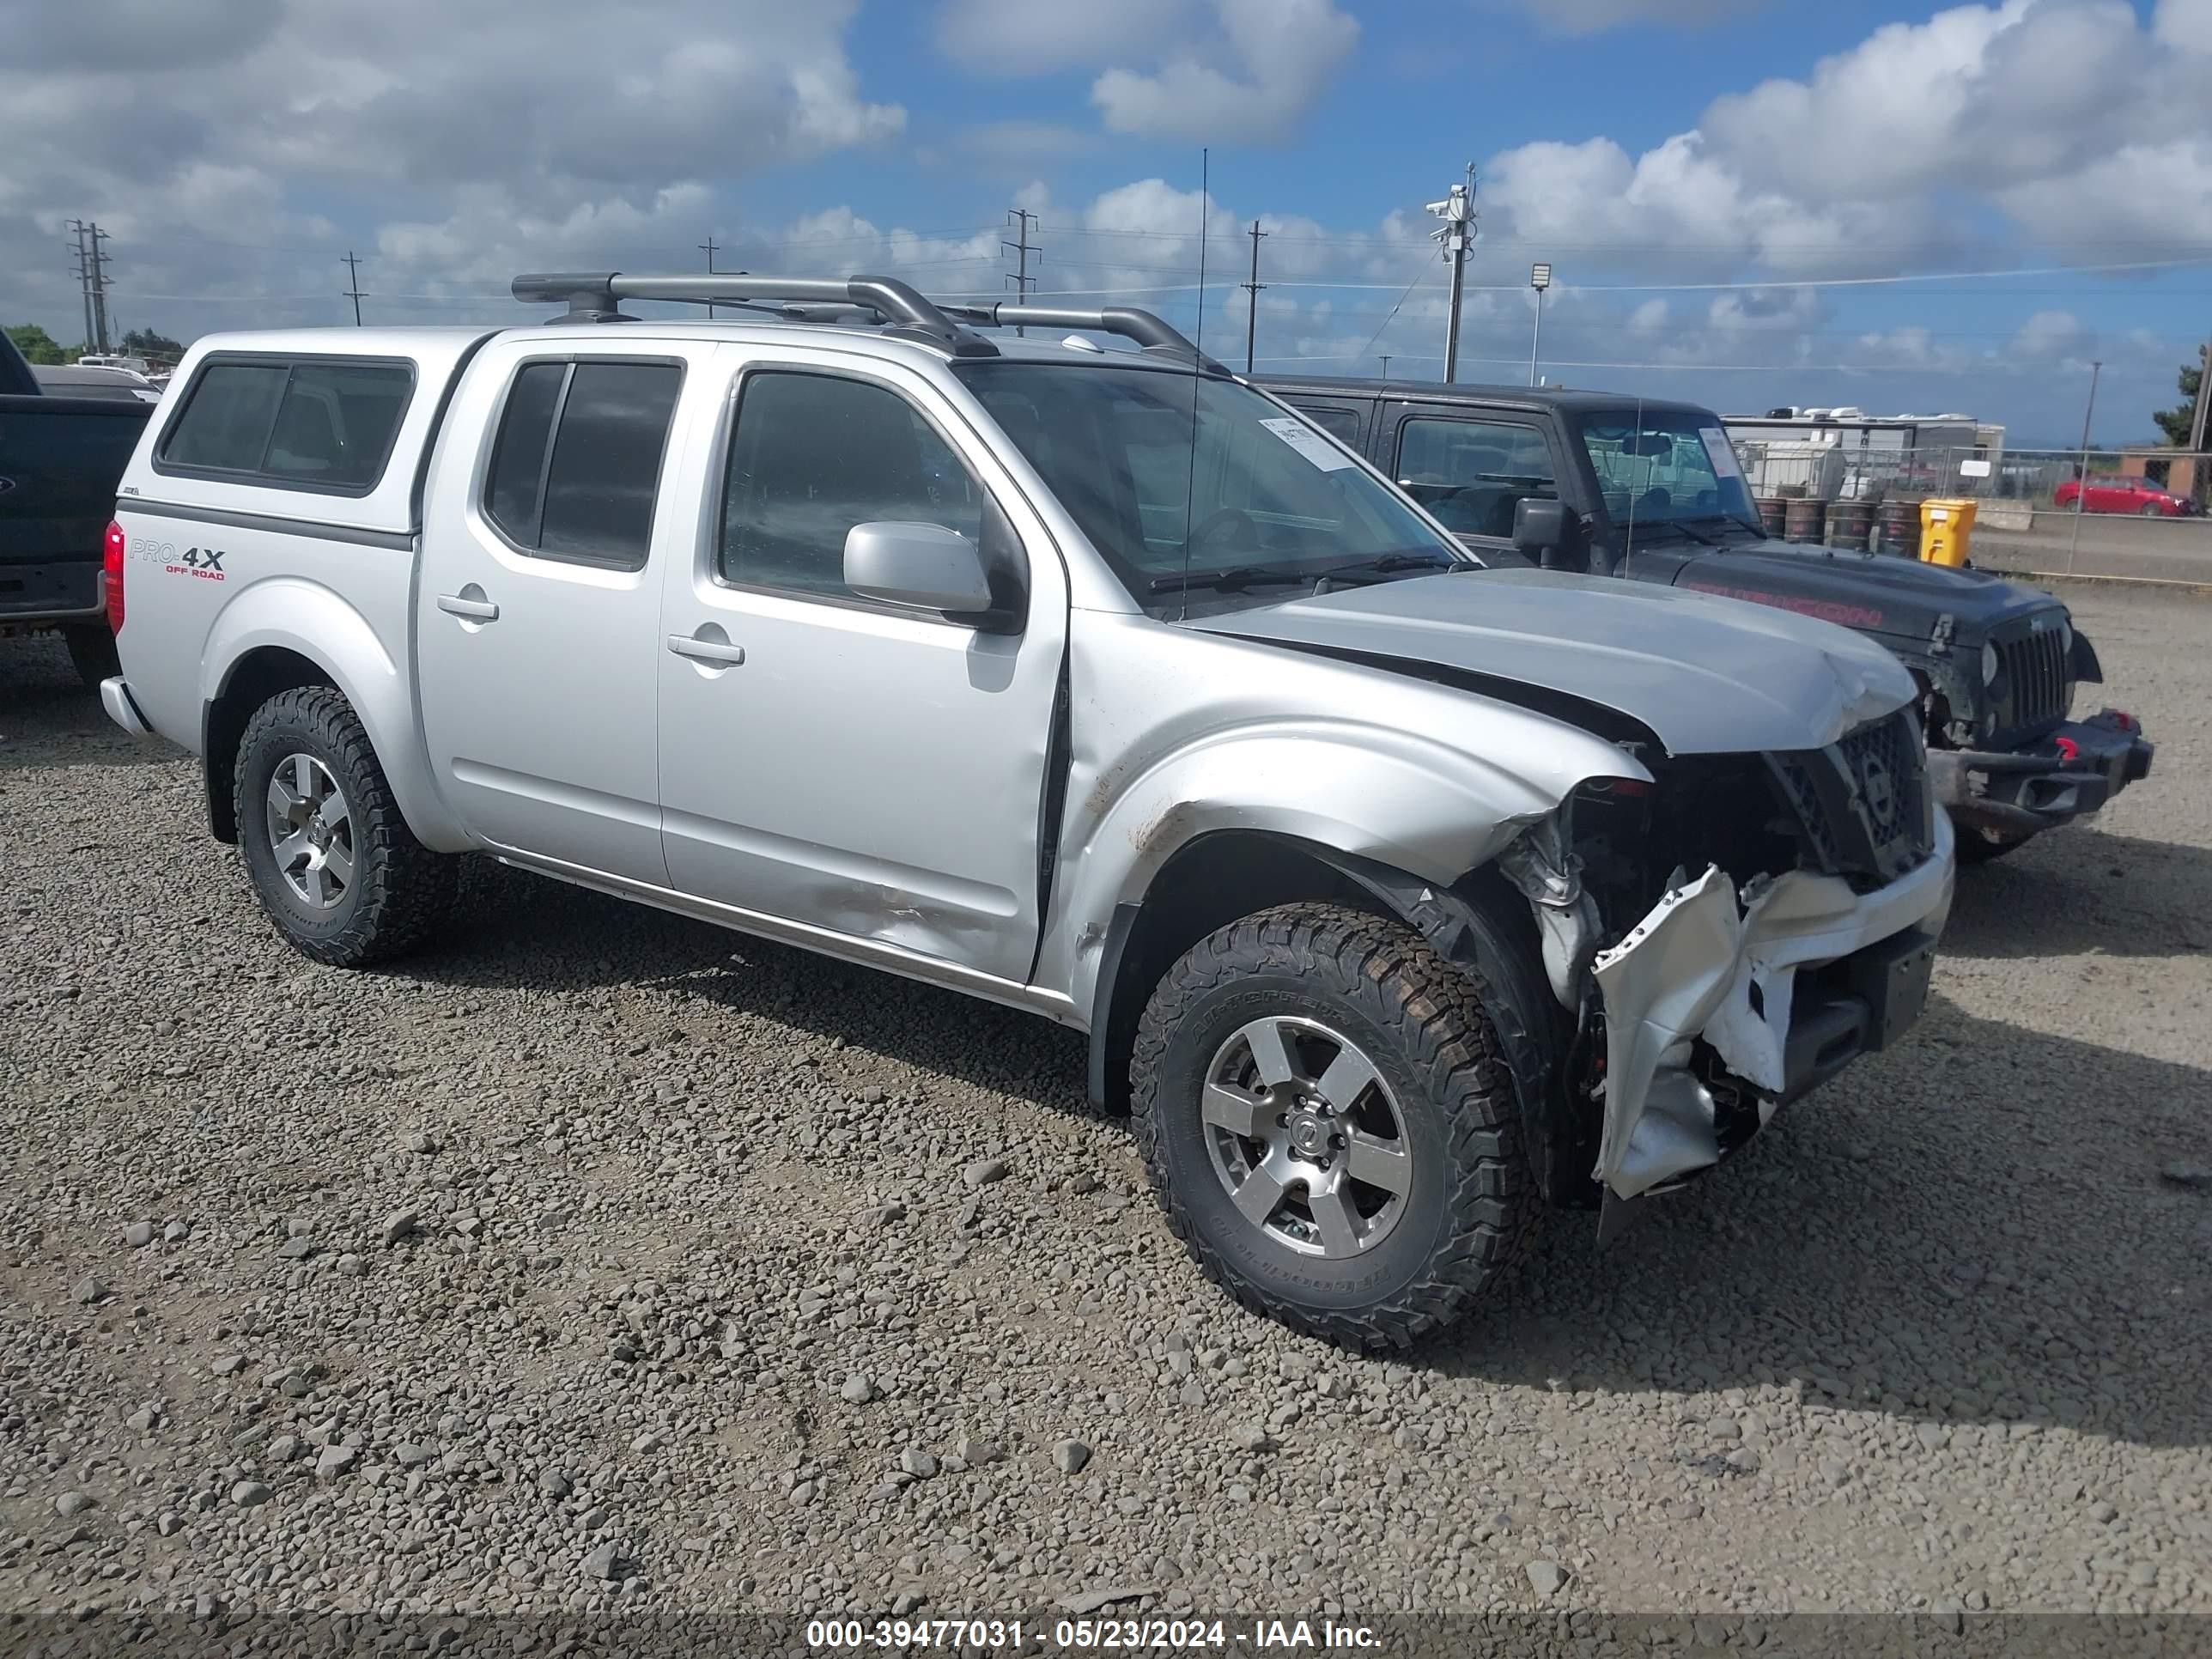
{"x": 1613, "y": 485}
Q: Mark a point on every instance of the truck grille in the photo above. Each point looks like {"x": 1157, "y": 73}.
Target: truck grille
{"x": 1863, "y": 803}
{"x": 2038, "y": 689}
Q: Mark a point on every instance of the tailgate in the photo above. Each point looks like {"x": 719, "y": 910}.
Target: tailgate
{"x": 61, "y": 460}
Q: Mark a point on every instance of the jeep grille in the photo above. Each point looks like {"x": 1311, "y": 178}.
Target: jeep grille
{"x": 2033, "y": 677}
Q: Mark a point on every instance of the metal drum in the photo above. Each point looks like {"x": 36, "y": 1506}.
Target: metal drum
{"x": 1803, "y": 520}
{"x": 1849, "y": 524}
{"x": 1773, "y": 515}
{"x": 1898, "y": 532}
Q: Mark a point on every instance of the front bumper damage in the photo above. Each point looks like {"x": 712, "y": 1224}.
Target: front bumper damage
{"x": 2068, "y": 775}
{"x": 1788, "y": 979}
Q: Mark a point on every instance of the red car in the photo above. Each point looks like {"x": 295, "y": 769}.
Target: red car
{"x": 2122, "y": 495}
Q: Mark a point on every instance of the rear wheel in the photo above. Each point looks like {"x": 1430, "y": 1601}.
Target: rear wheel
{"x": 1323, "y": 1106}
{"x": 333, "y": 862}
{"x": 92, "y": 653}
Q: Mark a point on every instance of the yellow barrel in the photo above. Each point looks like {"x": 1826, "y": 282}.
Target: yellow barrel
{"x": 1946, "y": 530}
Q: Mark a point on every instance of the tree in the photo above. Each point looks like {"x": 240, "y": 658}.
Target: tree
{"x": 2174, "y": 423}
{"x": 36, "y": 344}
{"x": 147, "y": 343}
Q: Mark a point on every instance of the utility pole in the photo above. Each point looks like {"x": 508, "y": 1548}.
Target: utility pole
{"x": 1252, "y": 298}
{"x": 1540, "y": 278}
{"x": 709, "y": 247}
{"x": 83, "y": 278}
{"x": 99, "y": 285}
{"x": 2081, "y": 484}
{"x": 2197, "y": 421}
{"x": 1021, "y": 248}
{"x": 352, "y": 284}
{"x": 1457, "y": 231}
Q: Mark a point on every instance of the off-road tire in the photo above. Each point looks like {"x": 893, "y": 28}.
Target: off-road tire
{"x": 401, "y": 890}
{"x": 92, "y": 653}
{"x": 1473, "y": 1203}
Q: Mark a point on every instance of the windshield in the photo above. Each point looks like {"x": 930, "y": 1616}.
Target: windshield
{"x": 1666, "y": 467}
{"x": 1265, "y": 499}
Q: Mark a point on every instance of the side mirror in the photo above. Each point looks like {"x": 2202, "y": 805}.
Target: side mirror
{"x": 1539, "y": 526}
{"x": 923, "y": 567}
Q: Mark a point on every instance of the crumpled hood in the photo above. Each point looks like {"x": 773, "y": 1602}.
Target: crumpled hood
{"x": 1876, "y": 592}
{"x": 1707, "y": 676}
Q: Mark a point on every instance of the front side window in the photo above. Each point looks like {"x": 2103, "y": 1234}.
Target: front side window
{"x": 1672, "y": 467}
{"x": 1248, "y": 496}
{"x": 327, "y": 425}
{"x": 575, "y": 466}
{"x": 812, "y": 455}
{"x": 1472, "y": 474}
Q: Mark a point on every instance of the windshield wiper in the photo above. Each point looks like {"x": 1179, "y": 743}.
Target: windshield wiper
{"x": 1685, "y": 527}
{"x": 1384, "y": 564}
{"x": 1233, "y": 577}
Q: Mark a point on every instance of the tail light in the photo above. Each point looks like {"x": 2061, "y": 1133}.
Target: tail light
{"x": 111, "y": 564}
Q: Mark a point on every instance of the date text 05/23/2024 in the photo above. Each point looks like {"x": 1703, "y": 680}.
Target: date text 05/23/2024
{"x": 1088, "y": 1635}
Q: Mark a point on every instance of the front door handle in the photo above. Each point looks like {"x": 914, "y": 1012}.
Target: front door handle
{"x": 454, "y": 605}
{"x": 714, "y": 651}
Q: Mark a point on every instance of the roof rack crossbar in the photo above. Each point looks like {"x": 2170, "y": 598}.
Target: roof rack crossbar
{"x": 1147, "y": 329}
{"x": 593, "y": 297}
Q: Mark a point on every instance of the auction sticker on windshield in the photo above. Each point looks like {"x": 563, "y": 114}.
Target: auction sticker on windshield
{"x": 1309, "y": 443}
{"x": 1720, "y": 452}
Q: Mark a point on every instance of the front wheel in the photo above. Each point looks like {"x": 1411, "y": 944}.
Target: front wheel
{"x": 1327, "y": 1121}
{"x": 331, "y": 860}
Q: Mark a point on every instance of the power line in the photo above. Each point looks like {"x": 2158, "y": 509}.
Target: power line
{"x": 352, "y": 284}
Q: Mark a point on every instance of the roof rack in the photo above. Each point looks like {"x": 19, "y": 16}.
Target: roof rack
{"x": 903, "y": 310}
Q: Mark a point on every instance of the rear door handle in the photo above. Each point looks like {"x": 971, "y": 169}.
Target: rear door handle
{"x": 475, "y": 609}
{"x": 716, "y": 651}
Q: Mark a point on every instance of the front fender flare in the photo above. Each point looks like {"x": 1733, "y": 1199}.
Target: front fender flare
{"x": 1389, "y": 797}
{"x": 309, "y": 620}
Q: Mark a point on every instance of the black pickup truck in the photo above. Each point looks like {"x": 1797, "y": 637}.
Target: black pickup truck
{"x": 1652, "y": 491}
{"x": 60, "y": 460}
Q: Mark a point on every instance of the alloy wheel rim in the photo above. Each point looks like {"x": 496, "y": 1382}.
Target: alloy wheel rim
{"x": 1306, "y": 1137}
{"x": 310, "y": 832}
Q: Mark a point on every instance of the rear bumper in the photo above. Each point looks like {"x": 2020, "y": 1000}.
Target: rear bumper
{"x": 2072, "y": 772}
{"x": 49, "y": 595}
{"x": 115, "y": 697}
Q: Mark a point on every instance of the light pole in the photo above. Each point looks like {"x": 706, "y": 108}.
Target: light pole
{"x": 1540, "y": 278}
{"x": 2082, "y": 482}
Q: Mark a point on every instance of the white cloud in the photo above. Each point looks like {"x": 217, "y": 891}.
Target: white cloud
{"x": 1034, "y": 37}
{"x": 1279, "y": 53}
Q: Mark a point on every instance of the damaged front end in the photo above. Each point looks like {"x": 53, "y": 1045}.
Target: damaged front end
{"x": 1702, "y": 1003}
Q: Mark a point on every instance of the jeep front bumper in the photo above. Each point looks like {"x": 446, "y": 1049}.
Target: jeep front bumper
{"x": 2069, "y": 773}
{"x": 1785, "y": 981}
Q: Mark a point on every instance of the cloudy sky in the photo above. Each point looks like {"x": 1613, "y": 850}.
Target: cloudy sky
{"x": 1729, "y": 190}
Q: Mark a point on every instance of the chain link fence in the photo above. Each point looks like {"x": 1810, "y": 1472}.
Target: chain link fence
{"x": 2137, "y": 512}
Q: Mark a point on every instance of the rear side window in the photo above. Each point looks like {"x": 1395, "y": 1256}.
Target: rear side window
{"x": 576, "y": 463}
{"x": 325, "y": 425}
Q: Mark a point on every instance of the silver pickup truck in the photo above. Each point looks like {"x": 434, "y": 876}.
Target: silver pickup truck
{"x": 1399, "y": 898}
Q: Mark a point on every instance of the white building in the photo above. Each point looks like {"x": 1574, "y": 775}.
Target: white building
{"x": 1845, "y": 452}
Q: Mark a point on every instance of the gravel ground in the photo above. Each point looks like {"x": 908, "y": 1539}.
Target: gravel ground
{"x": 603, "y": 1259}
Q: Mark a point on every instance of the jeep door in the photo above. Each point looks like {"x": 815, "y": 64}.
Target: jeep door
{"x": 1468, "y": 466}
{"x": 538, "y": 612}
{"x": 864, "y": 771}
